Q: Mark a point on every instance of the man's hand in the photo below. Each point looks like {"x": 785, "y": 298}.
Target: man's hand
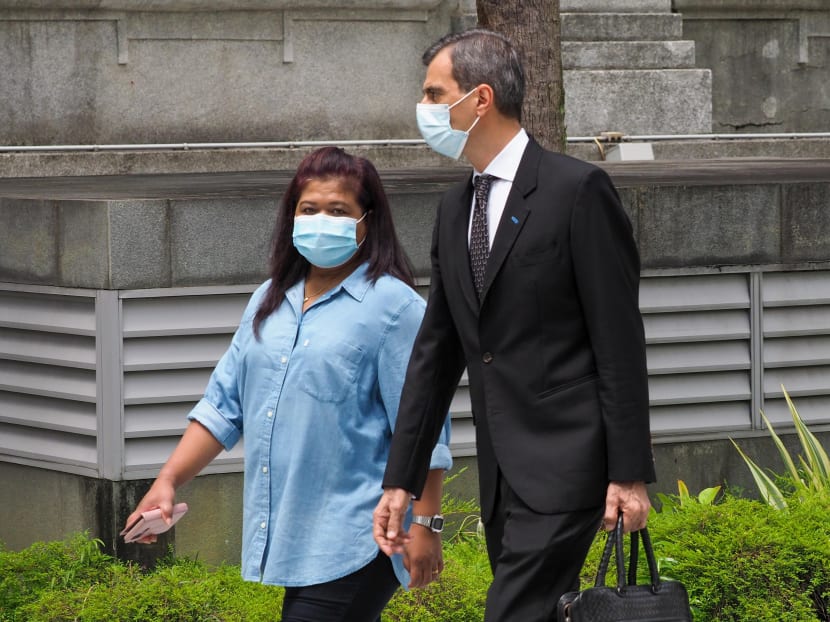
{"x": 388, "y": 521}
{"x": 630, "y": 498}
{"x": 422, "y": 557}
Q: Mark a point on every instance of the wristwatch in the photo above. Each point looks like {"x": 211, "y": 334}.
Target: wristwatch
{"x": 434, "y": 523}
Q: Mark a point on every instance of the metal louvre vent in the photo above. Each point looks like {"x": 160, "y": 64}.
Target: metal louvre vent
{"x": 100, "y": 383}
{"x": 796, "y": 346}
{"x": 463, "y": 437}
{"x": 48, "y": 387}
{"x": 698, "y": 340}
{"x": 170, "y": 345}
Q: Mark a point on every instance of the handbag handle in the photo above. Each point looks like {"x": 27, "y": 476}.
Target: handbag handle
{"x": 615, "y": 543}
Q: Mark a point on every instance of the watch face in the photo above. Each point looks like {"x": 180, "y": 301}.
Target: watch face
{"x": 437, "y": 523}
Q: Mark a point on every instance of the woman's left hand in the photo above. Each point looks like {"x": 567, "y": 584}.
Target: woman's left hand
{"x": 422, "y": 556}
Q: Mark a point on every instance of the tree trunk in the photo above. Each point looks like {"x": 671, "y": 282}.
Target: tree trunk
{"x": 534, "y": 26}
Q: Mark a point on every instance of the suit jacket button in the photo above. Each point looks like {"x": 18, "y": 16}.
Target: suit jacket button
{"x": 487, "y": 357}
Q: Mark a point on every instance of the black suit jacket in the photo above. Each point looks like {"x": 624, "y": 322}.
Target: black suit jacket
{"x": 555, "y": 350}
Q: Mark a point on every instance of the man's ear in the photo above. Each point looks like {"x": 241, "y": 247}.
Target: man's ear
{"x": 486, "y": 99}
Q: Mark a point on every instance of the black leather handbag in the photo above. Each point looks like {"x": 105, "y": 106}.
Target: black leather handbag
{"x": 662, "y": 601}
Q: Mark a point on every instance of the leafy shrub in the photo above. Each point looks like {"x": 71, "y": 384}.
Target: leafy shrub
{"x": 458, "y": 596}
{"x": 48, "y": 566}
{"x": 182, "y": 590}
{"x": 74, "y": 581}
{"x": 810, "y": 475}
{"x": 742, "y": 559}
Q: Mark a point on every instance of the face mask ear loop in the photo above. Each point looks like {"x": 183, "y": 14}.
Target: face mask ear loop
{"x": 474, "y": 124}
{"x": 451, "y": 106}
{"x": 461, "y": 100}
{"x": 366, "y": 213}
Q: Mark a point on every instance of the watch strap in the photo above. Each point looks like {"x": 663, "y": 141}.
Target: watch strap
{"x": 434, "y": 523}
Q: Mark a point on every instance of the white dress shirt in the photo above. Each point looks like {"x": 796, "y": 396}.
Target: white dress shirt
{"x": 504, "y": 167}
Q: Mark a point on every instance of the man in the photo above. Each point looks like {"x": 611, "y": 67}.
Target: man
{"x": 535, "y": 290}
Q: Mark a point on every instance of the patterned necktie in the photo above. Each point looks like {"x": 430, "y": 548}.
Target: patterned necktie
{"x": 479, "y": 236}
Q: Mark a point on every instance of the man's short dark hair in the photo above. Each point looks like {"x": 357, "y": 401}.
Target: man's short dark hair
{"x": 485, "y": 57}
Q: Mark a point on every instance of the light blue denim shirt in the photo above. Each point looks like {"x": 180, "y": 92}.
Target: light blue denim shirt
{"x": 316, "y": 398}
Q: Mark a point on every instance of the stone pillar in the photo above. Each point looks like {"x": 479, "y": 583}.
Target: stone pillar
{"x": 627, "y": 69}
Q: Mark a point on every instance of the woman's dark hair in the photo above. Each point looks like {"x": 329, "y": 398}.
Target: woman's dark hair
{"x": 381, "y": 249}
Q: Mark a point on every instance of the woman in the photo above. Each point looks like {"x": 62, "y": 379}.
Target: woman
{"x": 312, "y": 378}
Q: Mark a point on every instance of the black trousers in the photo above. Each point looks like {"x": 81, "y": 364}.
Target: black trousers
{"x": 358, "y": 597}
{"x": 535, "y": 558}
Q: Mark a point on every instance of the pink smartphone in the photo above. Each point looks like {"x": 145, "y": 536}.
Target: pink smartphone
{"x": 151, "y": 522}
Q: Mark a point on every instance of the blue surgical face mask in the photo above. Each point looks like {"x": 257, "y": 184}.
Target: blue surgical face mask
{"x": 434, "y": 123}
{"x": 326, "y": 241}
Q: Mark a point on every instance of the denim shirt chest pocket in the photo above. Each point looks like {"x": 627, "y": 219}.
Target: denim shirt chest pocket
{"x": 329, "y": 371}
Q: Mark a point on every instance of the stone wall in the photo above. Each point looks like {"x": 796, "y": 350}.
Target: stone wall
{"x": 628, "y": 69}
{"x": 770, "y": 62}
{"x": 76, "y": 72}
{"x": 742, "y": 211}
{"x": 694, "y": 221}
{"x": 79, "y": 72}
{"x": 83, "y": 72}
{"x": 112, "y": 71}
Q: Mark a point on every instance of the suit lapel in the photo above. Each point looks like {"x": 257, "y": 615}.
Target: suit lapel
{"x": 460, "y": 252}
{"x": 515, "y": 213}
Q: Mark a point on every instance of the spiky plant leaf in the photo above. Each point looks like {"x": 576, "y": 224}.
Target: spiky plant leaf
{"x": 785, "y": 455}
{"x": 766, "y": 487}
{"x": 816, "y": 455}
{"x": 809, "y": 477}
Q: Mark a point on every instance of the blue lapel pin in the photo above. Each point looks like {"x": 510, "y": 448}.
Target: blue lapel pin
{"x": 515, "y": 220}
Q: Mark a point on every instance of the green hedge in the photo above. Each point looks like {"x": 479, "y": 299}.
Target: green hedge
{"x": 740, "y": 559}
{"x": 74, "y": 581}
{"x": 745, "y": 560}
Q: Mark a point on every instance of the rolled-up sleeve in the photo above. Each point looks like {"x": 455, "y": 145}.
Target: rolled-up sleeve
{"x": 393, "y": 360}
{"x": 220, "y": 426}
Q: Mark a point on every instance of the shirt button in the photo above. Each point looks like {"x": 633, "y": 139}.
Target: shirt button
{"x": 284, "y": 360}
{"x": 262, "y": 525}
{"x": 487, "y": 357}
{"x": 306, "y": 342}
{"x": 264, "y": 469}
{"x": 270, "y": 413}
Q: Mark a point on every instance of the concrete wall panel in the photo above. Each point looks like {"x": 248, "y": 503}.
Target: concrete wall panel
{"x": 805, "y": 224}
{"x": 28, "y": 252}
{"x": 288, "y": 73}
{"x": 769, "y": 61}
{"x": 139, "y": 261}
{"x": 220, "y": 241}
{"x": 683, "y": 226}
{"x": 50, "y": 79}
{"x": 83, "y": 243}
{"x": 414, "y": 216}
